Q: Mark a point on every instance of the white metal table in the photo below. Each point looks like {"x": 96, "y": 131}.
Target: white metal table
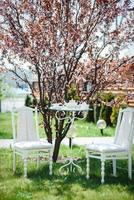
{"x": 72, "y": 107}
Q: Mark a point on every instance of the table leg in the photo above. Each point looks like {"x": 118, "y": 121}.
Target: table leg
{"x": 70, "y": 163}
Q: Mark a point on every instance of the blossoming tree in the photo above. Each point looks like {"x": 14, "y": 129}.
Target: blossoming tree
{"x": 65, "y": 41}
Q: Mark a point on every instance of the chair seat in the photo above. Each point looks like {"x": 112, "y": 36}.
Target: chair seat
{"x": 105, "y": 148}
{"x": 33, "y": 145}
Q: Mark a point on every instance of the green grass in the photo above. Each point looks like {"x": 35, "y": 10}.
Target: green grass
{"x": 5, "y": 126}
{"x": 86, "y": 129}
{"x": 83, "y": 128}
{"x": 72, "y": 186}
{"x": 69, "y": 186}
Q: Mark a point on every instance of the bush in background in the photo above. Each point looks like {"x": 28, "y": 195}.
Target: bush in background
{"x": 106, "y": 107}
{"x": 28, "y": 101}
{"x": 72, "y": 92}
{"x": 114, "y": 115}
{"x": 90, "y": 114}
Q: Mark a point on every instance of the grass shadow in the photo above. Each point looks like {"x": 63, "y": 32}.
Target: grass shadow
{"x": 73, "y": 185}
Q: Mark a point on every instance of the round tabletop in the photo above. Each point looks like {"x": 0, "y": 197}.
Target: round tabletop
{"x": 70, "y": 107}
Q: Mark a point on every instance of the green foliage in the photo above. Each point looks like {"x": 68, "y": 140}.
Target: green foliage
{"x": 72, "y": 92}
{"x": 28, "y": 101}
{"x": 93, "y": 114}
{"x": 106, "y": 110}
{"x": 97, "y": 112}
{"x": 114, "y": 115}
{"x": 105, "y": 114}
{"x": 90, "y": 114}
{"x": 102, "y": 109}
{"x": 46, "y": 101}
{"x": 107, "y": 97}
{"x": 34, "y": 102}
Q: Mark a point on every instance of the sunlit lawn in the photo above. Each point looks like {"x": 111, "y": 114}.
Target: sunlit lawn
{"x": 83, "y": 128}
{"x": 86, "y": 129}
{"x": 67, "y": 186}
{"x": 71, "y": 186}
{"x": 5, "y": 126}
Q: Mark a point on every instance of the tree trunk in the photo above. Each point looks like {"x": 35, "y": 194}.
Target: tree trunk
{"x": 47, "y": 128}
{"x": 56, "y": 149}
{"x": 49, "y": 138}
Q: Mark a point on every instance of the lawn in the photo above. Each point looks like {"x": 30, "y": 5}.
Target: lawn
{"x": 83, "y": 128}
{"x": 5, "y": 126}
{"x": 72, "y": 186}
{"x": 67, "y": 186}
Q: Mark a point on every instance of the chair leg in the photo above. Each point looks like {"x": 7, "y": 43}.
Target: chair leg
{"x": 130, "y": 167}
{"x": 14, "y": 161}
{"x": 50, "y": 162}
{"x": 102, "y": 169}
{"x": 88, "y": 167}
{"x": 25, "y": 167}
{"x": 114, "y": 168}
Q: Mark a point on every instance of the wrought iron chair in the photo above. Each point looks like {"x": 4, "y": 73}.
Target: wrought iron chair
{"x": 26, "y": 138}
{"x": 121, "y": 147}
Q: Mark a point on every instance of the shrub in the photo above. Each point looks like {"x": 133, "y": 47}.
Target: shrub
{"x": 114, "y": 115}
{"x": 90, "y": 114}
{"x": 106, "y": 110}
{"x": 102, "y": 109}
{"x": 107, "y": 97}
{"x": 94, "y": 113}
{"x": 105, "y": 114}
{"x": 28, "y": 101}
{"x": 72, "y": 92}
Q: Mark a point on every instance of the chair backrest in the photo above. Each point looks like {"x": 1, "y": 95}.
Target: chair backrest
{"x": 25, "y": 127}
{"x": 125, "y": 128}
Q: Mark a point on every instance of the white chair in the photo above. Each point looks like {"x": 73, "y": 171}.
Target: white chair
{"x": 121, "y": 147}
{"x": 26, "y": 138}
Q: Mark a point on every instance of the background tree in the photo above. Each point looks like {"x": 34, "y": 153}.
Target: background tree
{"x": 28, "y": 101}
{"x": 65, "y": 41}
